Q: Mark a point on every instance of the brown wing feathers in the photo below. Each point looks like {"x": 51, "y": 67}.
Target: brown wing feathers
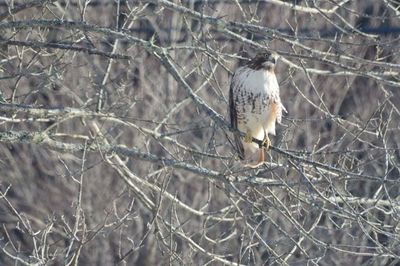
{"x": 233, "y": 117}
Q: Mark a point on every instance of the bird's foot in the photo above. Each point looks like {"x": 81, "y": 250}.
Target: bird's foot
{"x": 266, "y": 143}
{"x": 248, "y": 138}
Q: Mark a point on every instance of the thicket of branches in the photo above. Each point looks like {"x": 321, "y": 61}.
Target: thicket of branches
{"x": 115, "y": 146}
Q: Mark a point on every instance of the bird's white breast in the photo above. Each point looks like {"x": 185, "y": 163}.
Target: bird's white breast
{"x": 257, "y": 81}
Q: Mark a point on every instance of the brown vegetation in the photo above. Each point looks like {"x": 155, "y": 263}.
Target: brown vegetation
{"x": 116, "y": 147}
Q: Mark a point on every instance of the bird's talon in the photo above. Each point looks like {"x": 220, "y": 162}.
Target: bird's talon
{"x": 248, "y": 138}
{"x": 266, "y": 143}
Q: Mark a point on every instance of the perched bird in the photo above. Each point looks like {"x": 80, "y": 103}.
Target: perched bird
{"x": 254, "y": 104}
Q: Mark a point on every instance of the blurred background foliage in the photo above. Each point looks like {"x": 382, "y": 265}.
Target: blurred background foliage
{"x": 95, "y": 74}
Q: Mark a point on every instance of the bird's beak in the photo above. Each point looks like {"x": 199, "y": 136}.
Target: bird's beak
{"x": 275, "y": 56}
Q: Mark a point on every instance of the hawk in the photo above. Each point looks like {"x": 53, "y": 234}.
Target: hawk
{"x": 254, "y": 104}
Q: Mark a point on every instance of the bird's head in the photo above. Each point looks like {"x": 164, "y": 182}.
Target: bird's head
{"x": 265, "y": 60}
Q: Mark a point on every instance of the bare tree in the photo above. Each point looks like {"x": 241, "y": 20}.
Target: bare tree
{"x": 116, "y": 147}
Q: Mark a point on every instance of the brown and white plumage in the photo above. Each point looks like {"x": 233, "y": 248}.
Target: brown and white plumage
{"x": 254, "y": 102}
